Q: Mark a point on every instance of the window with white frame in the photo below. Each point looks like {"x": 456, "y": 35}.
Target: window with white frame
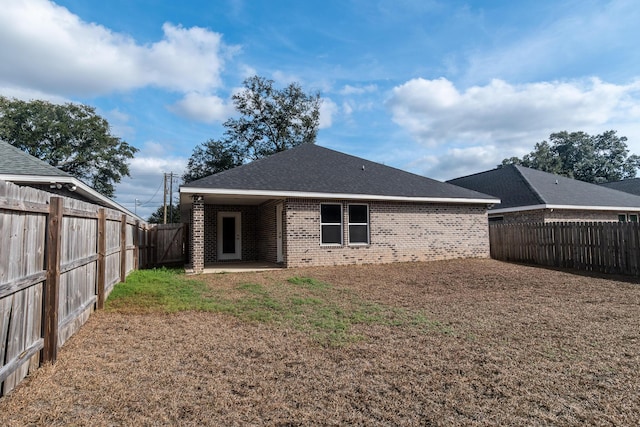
{"x": 330, "y": 224}
{"x": 358, "y": 224}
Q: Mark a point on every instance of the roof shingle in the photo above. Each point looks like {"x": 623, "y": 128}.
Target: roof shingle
{"x": 310, "y": 168}
{"x": 518, "y": 186}
{"x": 14, "y": 161}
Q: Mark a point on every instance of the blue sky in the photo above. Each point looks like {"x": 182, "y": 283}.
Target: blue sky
{"x": 438, "y": 88}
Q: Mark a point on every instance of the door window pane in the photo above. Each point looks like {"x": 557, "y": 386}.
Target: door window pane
{"x": 228, "y": 235}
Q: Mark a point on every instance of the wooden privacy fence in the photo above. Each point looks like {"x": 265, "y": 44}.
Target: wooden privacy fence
{"x": 607, "y": 247}
{"x": 59, "y": 260}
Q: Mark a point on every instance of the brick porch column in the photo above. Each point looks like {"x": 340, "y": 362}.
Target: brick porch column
{"x": 197, "y": 234}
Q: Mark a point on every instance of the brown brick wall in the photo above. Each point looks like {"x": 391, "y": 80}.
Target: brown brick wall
{"x": 267, "y": 231}
{"x": 398, "y": 232}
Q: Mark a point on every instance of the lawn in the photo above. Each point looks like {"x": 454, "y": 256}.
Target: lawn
{"x": 470, "y": 342}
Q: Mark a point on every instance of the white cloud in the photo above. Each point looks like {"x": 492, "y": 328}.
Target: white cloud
{"x": 47, "y": 48}
{"x": 347, "y": 107}
{"x": 467, "y": 131}
{"x": 328, "y": 109}
{"x": 435, "y": 112}
{"x": 203, "y": 108}
{"x": 456, "y": 162}
{"x": 147, "y": 177}
{"x": 358, "y": 90}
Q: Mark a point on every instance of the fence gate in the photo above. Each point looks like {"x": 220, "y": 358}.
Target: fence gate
{"x": 170, "y": 244}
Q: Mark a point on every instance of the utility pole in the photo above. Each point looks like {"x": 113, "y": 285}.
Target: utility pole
{"x": 171, "y": 198}
{"x": 164, "y": 203}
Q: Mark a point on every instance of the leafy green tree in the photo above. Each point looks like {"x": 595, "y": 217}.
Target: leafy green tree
{"x": 271, "y": 120}
{"x": 71, "y": 137}
{"x": 578, "y": 155}
{"x": 211, "y": 157}
{"x": 173, "y": 215}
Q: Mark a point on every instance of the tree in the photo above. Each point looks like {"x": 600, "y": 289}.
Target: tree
{"x": 211, "y": 157}
{"x": 578, "y": 155}
{"x": 71, "y": 137}
{"x": 173, "y": 215}
{"x": 271, "y": 120}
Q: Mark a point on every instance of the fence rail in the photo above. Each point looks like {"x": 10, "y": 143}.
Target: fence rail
{"x": 606, "y": 247}
{"x": 59, "y": 260}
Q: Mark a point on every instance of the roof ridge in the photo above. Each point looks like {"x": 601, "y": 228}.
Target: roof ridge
{"x": 529, "y": 184}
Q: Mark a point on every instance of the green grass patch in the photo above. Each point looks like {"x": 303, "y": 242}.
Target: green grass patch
{"x": 326, "y": 313}
{"x": 157, "y": 290}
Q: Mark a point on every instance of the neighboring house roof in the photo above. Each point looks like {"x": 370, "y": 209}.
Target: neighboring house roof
{"x": 313, "y": 171}
{"x": 521, "y": 188}
{"x": 631, "y": 185}
{"x": 22, "y": 168}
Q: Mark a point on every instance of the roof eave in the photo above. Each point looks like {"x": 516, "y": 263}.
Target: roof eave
{"x": 319, "y": 195}
{"x": 563, "y": 207}
{"x": 81, "y": 188}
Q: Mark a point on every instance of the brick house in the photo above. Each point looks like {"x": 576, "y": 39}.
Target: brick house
{"x": 311, "y": 206}
{"x": 529, "y": 195}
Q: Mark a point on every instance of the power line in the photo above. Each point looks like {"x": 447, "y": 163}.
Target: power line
{"x": 154, "y": 195}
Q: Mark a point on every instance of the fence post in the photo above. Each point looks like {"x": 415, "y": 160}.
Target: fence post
{"x": 52, "y": 286}
{"x": 102, "y": 250}
{"x": 123, "y": 248}
{"x": 154, "y": 245}
{"x": 136, "y": 248}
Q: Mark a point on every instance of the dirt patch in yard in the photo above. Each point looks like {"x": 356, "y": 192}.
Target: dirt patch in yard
{"x": 490, "y": 343}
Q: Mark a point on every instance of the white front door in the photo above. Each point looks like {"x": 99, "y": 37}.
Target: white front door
{"x": 229, "y": 236}
{"x": 279, "y": 256}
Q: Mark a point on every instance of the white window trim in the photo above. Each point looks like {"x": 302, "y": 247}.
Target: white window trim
{"x": 349, "y": 223}
{"x": 333, "y": 223}
{"x": 626, "y": 217}
{"x": 634, "y": 214}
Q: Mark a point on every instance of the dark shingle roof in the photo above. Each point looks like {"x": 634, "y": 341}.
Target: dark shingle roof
{"x": 310, "y": 168}
{"x": 14, "y": 161}
{"x": 627, "y": 185}
{"x": 518, "y": 186}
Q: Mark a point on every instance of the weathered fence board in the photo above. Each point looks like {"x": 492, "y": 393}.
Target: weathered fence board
{"x": 170, "y": 243}
{"x": 606, "y": 247}
{"x": 59, "y": 260}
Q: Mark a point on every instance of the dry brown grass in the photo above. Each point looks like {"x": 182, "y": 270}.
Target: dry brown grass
{"x": 520, "y": 345}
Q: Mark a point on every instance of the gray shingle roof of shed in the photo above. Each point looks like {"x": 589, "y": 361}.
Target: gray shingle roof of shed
{"x": 310, "y": 168}
{"x": 14, "y": 161}
{"x": 518, "y": 186}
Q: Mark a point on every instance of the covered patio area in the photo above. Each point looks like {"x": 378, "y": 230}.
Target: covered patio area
{"x": 240, "y": 267}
